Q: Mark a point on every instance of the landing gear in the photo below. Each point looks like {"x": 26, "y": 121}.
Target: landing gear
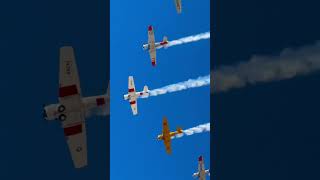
{"x": 62, "y": 117}
{"x": 61, "y": 108}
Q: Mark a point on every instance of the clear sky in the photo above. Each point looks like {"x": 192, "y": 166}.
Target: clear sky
{"x": 135, "y": 152}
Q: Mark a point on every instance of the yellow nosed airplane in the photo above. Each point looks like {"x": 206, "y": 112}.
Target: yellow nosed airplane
{"x": 166, "y": 135}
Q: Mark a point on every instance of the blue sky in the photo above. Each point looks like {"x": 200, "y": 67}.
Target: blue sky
{"x": 135, "y": 152}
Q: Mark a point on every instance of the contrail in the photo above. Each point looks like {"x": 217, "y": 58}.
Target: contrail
{"x": 188, "y": 39}
{"x": 191, "y": 83}
{"x": 195, "y": 130}
{"x": 291, "y": 62}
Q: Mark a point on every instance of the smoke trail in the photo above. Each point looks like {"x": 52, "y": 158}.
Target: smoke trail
{"x": 288, "y": 64}
{"x": 188, "y": 39}
{"x": 191, "y": 83}
{"x": 195, "y": 130}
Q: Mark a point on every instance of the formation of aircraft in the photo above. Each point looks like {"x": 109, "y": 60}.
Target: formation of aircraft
{"x": 133, "y": 96}
{"x": 178, "y": 6}
{"x": 152, "y": 45}
{"x": 202, "y": 172}
{"x": 72, "y": 108}
{"x": 166, "y": 135}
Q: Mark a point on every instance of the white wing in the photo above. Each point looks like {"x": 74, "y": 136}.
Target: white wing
{"x": 178, "y": 6}
{"x": 134, "y": 106}
{"x": 152, "y": 48}
{"x": 77, "y": 141}
{"x": 71, "y": 112}
{"x": 68, "y": 75}
{"x": 131, "y": 87}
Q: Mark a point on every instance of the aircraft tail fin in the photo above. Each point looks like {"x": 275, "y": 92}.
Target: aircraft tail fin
{"x": 108, "y": 90}
{"x": 165, "y": 40}
{"x": 179, "y": 130}
{"x": 145, "y": 89}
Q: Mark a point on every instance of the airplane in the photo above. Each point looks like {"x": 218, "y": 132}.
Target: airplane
{"x": 166, "y": 135}
{"x": 201, "y": 174}
{"x": 178, "y": 6}
{"x": 152, "y": 45}
{"x": 133, "y": 96}
{"x": 72, "y": 108}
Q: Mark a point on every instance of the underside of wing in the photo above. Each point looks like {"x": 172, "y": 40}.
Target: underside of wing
{"x": 167, "y": 144}
{"x": 151, "y": 42}
{"x": 131, "y": 87}
{"x": 68, "y": 73}
{"x": 134, "y": 106}
{"x": 153, "y": 57}
{"x": 77, "y": 142}
{"x": 151, "y": 39}
{"x": 200, "y": 164}
{"x": 166, "y": 135}
{"x": 178, "y": 5}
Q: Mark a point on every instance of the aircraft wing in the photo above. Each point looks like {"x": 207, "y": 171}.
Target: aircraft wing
{"x": 166, "y": 135}
{"x": 178, "y": 5}
{"x": 134, "y": 106}
{"x": 73, "y": 121}
{"x": 131, "y": 87}
{"x": 76, "y": 138}
{"x": 151, "y": 42}
{"x": 68, "y": 75}
{"x": 200, "y": 164}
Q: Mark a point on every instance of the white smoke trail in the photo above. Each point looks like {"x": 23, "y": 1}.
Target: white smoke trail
{"x": 191, "y": 83}
{"x": 288, "y": 64}
{"x": 195, "y": 130}
{"x": 188, "y": 39}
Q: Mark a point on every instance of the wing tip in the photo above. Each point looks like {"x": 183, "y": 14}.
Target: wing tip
{"x": 150, "y": 28}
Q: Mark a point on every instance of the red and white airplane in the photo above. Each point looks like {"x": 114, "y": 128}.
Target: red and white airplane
{"x": 178, "y": 5}
{"x": 152, "y": 45}
{"x": 72, "y": 108}
{"x": 132, "y": 95}
{"x": 201, "y": 174}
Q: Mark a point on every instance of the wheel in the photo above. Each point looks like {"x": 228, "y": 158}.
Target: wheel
{"x": 61, "y": 108}
{"x": 62, "y": 117}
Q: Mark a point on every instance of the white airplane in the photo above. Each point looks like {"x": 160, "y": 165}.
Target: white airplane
{"x": 178, "y": 5}
{"x": 201, "y": 174}
{"x": 152, "y": 45}
{"x": 132, "y": 95}
{"x": 72, "y": 108}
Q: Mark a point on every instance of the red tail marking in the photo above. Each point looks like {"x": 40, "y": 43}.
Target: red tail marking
{"x": 100, "y": 101}
{"x": 163, "y": 43}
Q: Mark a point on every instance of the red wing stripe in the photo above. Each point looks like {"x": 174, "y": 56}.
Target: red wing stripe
{"x": 68, "y": 91}
{"x": 73, "y": 130}
{"x": 100, "y": 101}
{"x": 132, "y": 102}
{"x": 131, "y": 90}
